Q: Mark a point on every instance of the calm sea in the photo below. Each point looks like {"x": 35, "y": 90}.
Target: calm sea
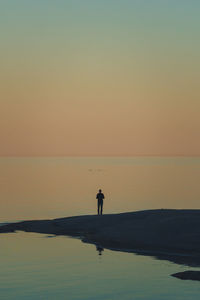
{"x": 33, "y": 188}
{"x": 35, "y": 266}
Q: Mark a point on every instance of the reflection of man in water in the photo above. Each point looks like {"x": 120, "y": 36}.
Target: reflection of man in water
{"x": 100, "y": 197}
{"x": 99, "y": 249}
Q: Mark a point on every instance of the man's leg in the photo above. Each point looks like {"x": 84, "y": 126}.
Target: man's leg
{"x": 101, "y": 207}
{"x": 98, "y": 204}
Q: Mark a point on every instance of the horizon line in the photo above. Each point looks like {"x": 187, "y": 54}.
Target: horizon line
{"x": 99, "y": 156}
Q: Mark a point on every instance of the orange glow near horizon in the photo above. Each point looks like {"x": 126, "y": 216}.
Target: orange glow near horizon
{"x": 84, "y": 81}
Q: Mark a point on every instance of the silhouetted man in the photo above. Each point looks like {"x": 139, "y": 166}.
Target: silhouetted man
{"x": 100, "y": 197}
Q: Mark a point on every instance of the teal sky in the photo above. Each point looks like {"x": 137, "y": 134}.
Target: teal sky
{"x": 132, "y": 64}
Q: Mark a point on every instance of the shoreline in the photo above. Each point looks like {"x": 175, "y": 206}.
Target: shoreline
{"x": 171, "y": 235}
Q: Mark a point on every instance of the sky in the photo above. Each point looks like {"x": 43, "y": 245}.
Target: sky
{"x": 99, "y": 78}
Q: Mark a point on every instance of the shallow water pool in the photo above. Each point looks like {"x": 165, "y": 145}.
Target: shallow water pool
{"x": 36, "y": 266}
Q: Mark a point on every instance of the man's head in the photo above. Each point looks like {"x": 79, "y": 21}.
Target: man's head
{"x": 99, "y": 191}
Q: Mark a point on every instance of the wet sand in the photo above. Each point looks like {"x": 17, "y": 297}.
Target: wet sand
{"x": 188, "y": 275}
{"x": 167, "y": 234}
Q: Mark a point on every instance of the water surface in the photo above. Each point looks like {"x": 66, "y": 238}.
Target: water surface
{"x": 35, "y": 266}
{"x": 34, "y": 188}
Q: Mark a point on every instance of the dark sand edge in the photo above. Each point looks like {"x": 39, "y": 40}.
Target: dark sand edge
{"x": 187, "y": 275}
{"x": 171, "y": 235}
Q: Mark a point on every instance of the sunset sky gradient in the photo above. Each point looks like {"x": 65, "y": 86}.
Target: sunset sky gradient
{"x": 99, "y": 77}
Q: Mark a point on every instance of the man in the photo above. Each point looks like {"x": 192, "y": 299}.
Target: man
{"x": 100, "y": 197}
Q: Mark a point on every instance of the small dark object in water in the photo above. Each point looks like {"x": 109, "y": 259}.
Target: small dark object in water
{"x": 188, "y": 275}
{"x": 99, "y": 249}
